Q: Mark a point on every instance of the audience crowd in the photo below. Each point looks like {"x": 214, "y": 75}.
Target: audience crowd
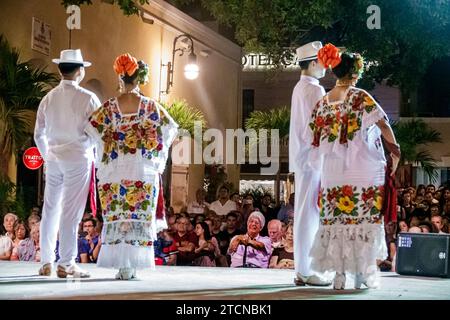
{"x": 233, "y": 231}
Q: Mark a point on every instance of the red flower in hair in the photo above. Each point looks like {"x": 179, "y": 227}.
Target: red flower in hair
{"x": 329, "y": 56}
{"x": 125, "y": 64}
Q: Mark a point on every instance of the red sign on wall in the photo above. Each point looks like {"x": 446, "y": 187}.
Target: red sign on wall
{"x": 32, "y": 158}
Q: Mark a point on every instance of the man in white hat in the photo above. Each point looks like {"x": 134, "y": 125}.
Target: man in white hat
{"x": 306, "y": 94}
{"x": 68, "y": 154}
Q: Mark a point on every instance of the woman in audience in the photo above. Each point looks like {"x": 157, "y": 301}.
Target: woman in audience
{"x": 29, "y": 248}
{"x": 22, "y": 232}
{"x": 207, "y": 248}
{"x": 283, "y": 257}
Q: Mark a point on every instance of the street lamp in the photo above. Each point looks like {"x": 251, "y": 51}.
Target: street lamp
{"x": 191, "y": 70}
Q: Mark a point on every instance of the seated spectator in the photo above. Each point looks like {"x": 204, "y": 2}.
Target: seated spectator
{"x": 248, "y": 206}
{"x": 223, "y": 204}
{"x": 32, "y": 220}
{"x": 171, "y": 223}
{"x": 21, "y": 231}
{"x": 86, "y": 216}
{"x": 407, "y": 206}
{"x": 29, "y": 248}
{"x": 415, "y": 230}
{"x": 275, "y": 232}
{"x": 185, "y": 242}
{"x": 435, "y": 210}
{"x": 402, "y": 226}
{"x": 426, "y": 227}
{"x": 236, "y": 198}
{"x": 229, "y": 232}
{"x": 286, "y": 213}
{"x": 8, "y": 223}
{"x": 199, "y": 206}
{"x": 445, "y": 201}
{"x": 430, "y": 188}
{"x": 268, "y": 212}
{"x": 207, "y": 248}
{"x": 251, "y": 250}
{"x": 438, "y": 225}
{"x": 6, "y": 240}
{"x": 165, "y": 250}
{"x": 199, "y": 218}
{"x": 90, "y": 244}
{"x": 283, "y": 257}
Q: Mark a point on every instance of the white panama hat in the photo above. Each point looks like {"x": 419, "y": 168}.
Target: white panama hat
{"x": 309, "y": 51}
{"x": 71, "y": 56}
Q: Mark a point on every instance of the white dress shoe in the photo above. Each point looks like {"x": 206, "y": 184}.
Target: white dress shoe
{"x": 72, "y": 270}
{"x": 313, "y": 280}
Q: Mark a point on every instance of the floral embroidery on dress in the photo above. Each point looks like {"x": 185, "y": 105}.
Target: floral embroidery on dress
{"x": 333, "y": 121}
{"x": 351, "y": 205}
{"x": 129, "y": 134}
{"x": 127, "y": 200}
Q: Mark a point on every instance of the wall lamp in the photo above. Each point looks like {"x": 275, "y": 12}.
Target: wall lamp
{"x": 191, "y": 70}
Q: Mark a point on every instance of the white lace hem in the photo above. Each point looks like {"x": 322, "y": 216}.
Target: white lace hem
{"x": 349, "y": 248}
{"x": 126, "y": 256}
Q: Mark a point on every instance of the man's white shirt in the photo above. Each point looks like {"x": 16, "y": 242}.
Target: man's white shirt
{"x": 222, "y": 210}
{"x": 305, "y": 96}
{"x": 61, "y": 119}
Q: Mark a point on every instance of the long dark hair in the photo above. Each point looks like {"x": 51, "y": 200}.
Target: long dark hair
{"x": 205, "y": 227}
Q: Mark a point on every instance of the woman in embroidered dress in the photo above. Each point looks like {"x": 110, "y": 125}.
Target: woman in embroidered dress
{"x": 133, "y": 134}
{"x": 346, "y": 129}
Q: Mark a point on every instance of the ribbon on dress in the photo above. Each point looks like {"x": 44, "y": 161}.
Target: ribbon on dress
{"x": 160, "y": 207}
{"x": 93, "y": 192}
{"x": 390, "y": 192}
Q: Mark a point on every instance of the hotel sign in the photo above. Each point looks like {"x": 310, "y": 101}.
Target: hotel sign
{"x": 263, "y": 62}
{"x": 41, "y": 35}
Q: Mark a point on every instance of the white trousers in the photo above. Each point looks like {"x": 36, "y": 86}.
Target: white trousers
{"x": 66, "y": 191}
{"x": 306, "y": 219}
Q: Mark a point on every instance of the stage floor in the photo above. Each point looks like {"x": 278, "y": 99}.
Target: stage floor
{"x": 20, "y": 280}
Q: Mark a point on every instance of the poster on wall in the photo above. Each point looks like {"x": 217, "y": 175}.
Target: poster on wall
{"x": 41, "y": 35}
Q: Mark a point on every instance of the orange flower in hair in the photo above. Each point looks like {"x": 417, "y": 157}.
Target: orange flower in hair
{"x": 125, "y": 64}
{"x": 329, "y": 56}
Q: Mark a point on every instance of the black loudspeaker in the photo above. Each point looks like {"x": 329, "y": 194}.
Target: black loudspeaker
{"x": 423, "y": 254}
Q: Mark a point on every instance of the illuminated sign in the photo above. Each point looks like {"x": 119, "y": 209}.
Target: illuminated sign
{"x": 263, "y": 62}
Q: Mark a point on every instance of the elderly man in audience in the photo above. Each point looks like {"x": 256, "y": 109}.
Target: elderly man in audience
{"x": 438, "y": 225}
{"x": 283, "y": 257}
{"x": 251, "y": 250}
{"x": 6, "y": 240}
{"x": 275, "y": 233}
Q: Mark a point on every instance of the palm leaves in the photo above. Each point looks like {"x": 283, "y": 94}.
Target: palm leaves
{"x": 278, "y": 118}
{"x": 21, "y": 89}
{"x": 185, "y": 115}
{"x": 412, "y": 135}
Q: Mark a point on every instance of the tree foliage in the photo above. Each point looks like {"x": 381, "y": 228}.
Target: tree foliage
{"x": 413, "y": 32}
{"x": 127, "y": 6}
{"x": 21, "y": 88}
{"x": 412, "y": 136}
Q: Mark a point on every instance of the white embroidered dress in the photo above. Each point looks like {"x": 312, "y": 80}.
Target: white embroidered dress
{"x": 347, "y": 147}
{"x": 132, "y": 150}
